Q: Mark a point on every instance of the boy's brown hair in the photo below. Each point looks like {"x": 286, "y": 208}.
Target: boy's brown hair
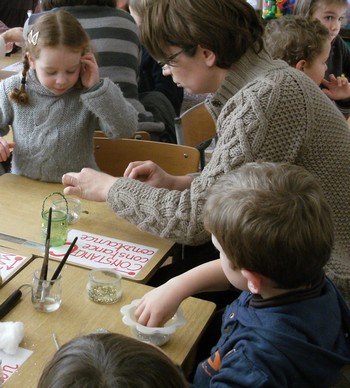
{"x": 273, "y": 219}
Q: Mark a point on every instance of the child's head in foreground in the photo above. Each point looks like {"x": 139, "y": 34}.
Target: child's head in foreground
{"x": 272, "y": 220}
{"x": 110, "y": 361}
{"x": 303, "y": 43}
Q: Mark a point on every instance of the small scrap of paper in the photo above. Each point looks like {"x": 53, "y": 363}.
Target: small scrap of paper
{"x": 10, "y": 364}
{"x": 15, "y": 67}
{"x": 9, "y": 263}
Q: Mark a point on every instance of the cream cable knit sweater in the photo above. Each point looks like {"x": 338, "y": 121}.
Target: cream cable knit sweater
{"x": 265, "y": 111}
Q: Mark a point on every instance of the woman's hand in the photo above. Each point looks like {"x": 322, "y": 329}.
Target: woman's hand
{"x": 5, "y": 149}
{"x": 88, "y": 184}
{"x": 150, "y": 173}
{"x": 89, "y": 73}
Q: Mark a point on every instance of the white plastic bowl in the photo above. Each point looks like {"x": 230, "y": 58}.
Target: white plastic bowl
{"x": 156, "y": 335}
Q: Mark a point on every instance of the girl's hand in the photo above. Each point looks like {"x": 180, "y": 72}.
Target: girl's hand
{"x": 89, "y": 73}
{"x": 337, "y": 88}
{"x": 5, "y": 149}
{"x": 13, "y": 35}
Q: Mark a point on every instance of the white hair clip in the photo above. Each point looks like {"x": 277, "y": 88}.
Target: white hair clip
{"x": 33, "y": 38}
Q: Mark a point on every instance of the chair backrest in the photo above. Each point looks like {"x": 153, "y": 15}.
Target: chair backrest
{"x": 113, "y": 155}
{"x": 136, "y": 135}
{"x": 195, "y": 128}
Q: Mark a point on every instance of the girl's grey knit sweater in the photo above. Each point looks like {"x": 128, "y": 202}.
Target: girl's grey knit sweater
{"x": 54, "y": 134}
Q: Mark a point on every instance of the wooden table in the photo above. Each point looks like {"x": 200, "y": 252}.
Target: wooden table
{"x": 78, "y": 316}
{"x": 21, "y": 202}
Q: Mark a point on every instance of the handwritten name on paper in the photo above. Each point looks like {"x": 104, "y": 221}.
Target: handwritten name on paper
{"x": 9, "y": 263}
{"x": 10, "y": 364}
{"x": 95, "y": 251}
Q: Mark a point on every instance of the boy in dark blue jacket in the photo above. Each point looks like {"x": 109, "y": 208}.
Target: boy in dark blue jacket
{"x": 290, "y": 326}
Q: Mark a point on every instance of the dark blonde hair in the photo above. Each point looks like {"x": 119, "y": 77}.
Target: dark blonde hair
{"x": 295, "y": 38}
{"x": 273, "y": 219}
{"x": 307, "y": 8}
{"x": 139, "y": 6}
{"x": 53, "y": 30}
{"x": 110, "y": 361}
{"x": 227, "y": 27}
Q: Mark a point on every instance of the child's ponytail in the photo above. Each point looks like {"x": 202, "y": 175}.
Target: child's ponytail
{"x": 19, "y": 94}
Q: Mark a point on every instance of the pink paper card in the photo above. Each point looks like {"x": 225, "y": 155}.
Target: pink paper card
{"x": 95, "y": 251}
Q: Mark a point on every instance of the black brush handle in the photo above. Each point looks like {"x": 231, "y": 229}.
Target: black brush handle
{"x": 9, "y": 303}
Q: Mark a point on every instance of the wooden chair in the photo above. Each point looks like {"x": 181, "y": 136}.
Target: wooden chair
{"x": 113, "y": 155}
{"x": 196, "y": 128}
{"x": 140, "y": 135}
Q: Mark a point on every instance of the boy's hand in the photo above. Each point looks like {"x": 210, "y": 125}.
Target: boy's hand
{"x": 5, "y": 149}
{"x": 89, "y": 73}
{"x": 337, "y": 88}
{"x": 158, "y": 306}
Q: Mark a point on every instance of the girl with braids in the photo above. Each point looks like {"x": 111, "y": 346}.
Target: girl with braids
{"x": 58, "y": 101}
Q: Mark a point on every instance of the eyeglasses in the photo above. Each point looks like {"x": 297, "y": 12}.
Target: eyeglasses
{"x": 170, "y": 61}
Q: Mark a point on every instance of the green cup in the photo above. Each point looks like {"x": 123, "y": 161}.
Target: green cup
{"x": 59, "y": 227}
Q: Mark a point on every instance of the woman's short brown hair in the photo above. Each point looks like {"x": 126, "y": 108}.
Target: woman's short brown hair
{"x": 227, "y": 27}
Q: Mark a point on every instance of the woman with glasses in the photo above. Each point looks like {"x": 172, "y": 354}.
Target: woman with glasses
{"x": 265, "y": 111}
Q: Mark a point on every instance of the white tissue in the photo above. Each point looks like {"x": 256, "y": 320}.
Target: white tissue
{"x": 11, "y": 334}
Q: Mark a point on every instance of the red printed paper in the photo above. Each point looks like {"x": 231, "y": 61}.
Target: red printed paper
{"x": 11, "y": 363}
{"x": 95, "y": 251}
{"x": 10, "y": 263}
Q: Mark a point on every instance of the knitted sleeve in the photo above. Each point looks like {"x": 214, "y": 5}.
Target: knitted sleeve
{"x": 6, "y": 111}
{"x": 267, "y": 120}
{"x": 116, "y": 116}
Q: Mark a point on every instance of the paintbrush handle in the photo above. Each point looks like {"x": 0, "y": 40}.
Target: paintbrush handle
{"x": 44, "y": 268}
{"x": 10, "y": 302}
{"x": 63, "y": 261}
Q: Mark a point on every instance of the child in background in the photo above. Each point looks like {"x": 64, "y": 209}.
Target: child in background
{"x": 110, "y": 360}
{"x": 274, "y": 231}
{"x": 331, "y": 13}
{"x": 304, "y": 44}
{"x": 57, "y": 103}
{"x": 8, "y": 38}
